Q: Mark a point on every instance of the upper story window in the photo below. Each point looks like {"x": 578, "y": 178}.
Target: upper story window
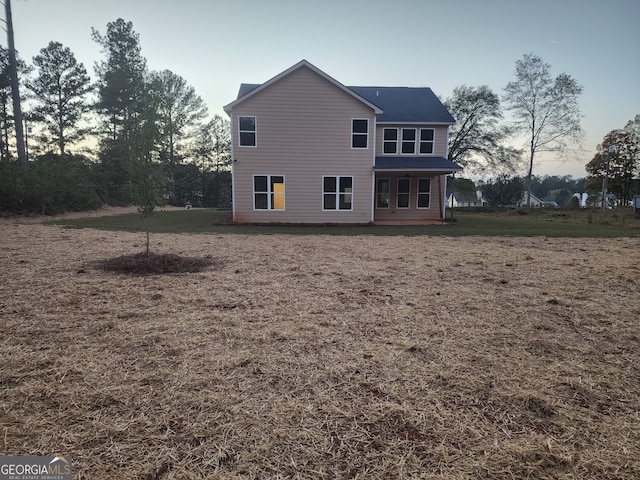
{"x": 247, "y": 131}
{"x": 359, "y": 133}
{"x": 412, "y": 141}
{"x": 408, "y": 141}
{"x": 426, "y": 140}
{"x": 390, "y": 140}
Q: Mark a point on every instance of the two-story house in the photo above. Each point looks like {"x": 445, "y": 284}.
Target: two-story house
{"x": 307, "y": 149}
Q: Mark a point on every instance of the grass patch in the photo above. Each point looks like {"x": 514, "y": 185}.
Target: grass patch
{"x": 169, "y": 221}
{"x": 543, "y": 223}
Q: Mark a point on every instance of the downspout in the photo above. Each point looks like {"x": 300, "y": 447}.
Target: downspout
{"x": 373, "y": 169}
{"x": 447, "y": 145}
{"x": 233, "y": 166}
{"x": 444, "y": 200}
{"x": 442, "y": 196}
{"x": 453, "y": 192}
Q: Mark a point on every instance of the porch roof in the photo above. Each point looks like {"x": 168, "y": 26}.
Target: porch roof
{"x": 425, "y": 164}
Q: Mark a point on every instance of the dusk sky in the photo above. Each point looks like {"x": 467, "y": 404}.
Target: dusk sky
{"x": 218, "y": 44}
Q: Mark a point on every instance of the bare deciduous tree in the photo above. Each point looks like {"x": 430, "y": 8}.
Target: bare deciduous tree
{"x": 544, "y": 108}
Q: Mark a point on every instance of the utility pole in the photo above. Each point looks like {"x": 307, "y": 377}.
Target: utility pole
{"x": 15, "y": 93}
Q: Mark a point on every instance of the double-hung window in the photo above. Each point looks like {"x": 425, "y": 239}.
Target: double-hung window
{"x": 268, "y": 192}
{"x": 408, "y": 141}
{"x": 424, "y": 192}
{"x": 390, "y": 141}
{"x": 247, "y": 131}
{"x": 359, "y": 133}
{"x": 426, "y": 141}
{"x": 404, "y": 192}
{"x": 337, "y": 193}
{"x": 382, "y": 193}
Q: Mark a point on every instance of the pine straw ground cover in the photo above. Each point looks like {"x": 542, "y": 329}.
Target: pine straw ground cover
{"x": 322, "y": 357}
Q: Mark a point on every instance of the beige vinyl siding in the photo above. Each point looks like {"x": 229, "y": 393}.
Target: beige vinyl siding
{"x": 303, "y": 133}
{"x": 412, "y": 213}
{"x": 440, "y": 139}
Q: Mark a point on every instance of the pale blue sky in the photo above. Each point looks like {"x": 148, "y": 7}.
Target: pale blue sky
{"x": 217, "y": 44}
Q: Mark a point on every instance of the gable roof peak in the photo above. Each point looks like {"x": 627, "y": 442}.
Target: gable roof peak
{"x": 248, "y": 90}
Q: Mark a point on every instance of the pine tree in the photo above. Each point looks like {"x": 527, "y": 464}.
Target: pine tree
{"x": 60, "y": 91}
{"x": 180, "y": 114}
{"x": 121, "y": 103}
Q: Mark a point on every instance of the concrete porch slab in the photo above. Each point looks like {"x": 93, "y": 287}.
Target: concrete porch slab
{"x": 410, "y": 222}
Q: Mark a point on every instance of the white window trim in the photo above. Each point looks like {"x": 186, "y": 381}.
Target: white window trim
{"x": 418, "y": 193}
{"x": 433, "y": 142}
{"x": 358, "y": 133}
{"x": 415, "y": 141}
{"x": 255, "y": 132}
{"x": 388, "y": 193}
{"x": 398, "y": 193}
{"x": 337, "y": 194}
{"x": 389, "y": 141}
{"x": 268, "y": 192}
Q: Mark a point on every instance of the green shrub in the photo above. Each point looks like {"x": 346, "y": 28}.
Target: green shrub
{"x": 50, "y": 184}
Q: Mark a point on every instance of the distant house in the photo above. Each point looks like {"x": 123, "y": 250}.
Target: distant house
{"x": 550, "y": 202}
{"x": 307, "y": 149}
{"x": 466, "y": 200}
{"x": 535, "y": 201}
{"x": 609, "y": 202}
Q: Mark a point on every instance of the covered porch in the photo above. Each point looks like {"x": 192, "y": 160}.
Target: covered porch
{"x": 411, "y": 190}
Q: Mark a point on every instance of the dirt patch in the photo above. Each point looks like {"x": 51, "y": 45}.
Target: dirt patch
{"x": 322, "y": 357}
{"x": 152, "y": 264}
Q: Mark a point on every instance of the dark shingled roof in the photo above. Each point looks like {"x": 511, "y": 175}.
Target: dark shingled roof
{"x": 399, "y": 104}
{"x": 247, "y": 88}
{"x": 406, "y": 104}
{"x": 436, "y": 164}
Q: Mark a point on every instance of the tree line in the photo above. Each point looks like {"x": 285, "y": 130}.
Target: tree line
{"x": 131, "y": 136}
{"x": 134, "y": 136}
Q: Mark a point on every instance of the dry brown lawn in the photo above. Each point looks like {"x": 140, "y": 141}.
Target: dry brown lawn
{"x": 322, "y": 357}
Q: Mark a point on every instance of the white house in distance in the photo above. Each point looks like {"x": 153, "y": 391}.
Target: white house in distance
{"x": 466, "y": 200}
{"x": 307, "y": 149}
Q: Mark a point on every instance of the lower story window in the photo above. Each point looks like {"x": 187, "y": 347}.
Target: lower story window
{"x": 404, "y": 192}
{"x": 337, "y": 193}
{"x": 268, "y": 192}
{"x": 424, "y": 192}
{"x": 382, "y": 193}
